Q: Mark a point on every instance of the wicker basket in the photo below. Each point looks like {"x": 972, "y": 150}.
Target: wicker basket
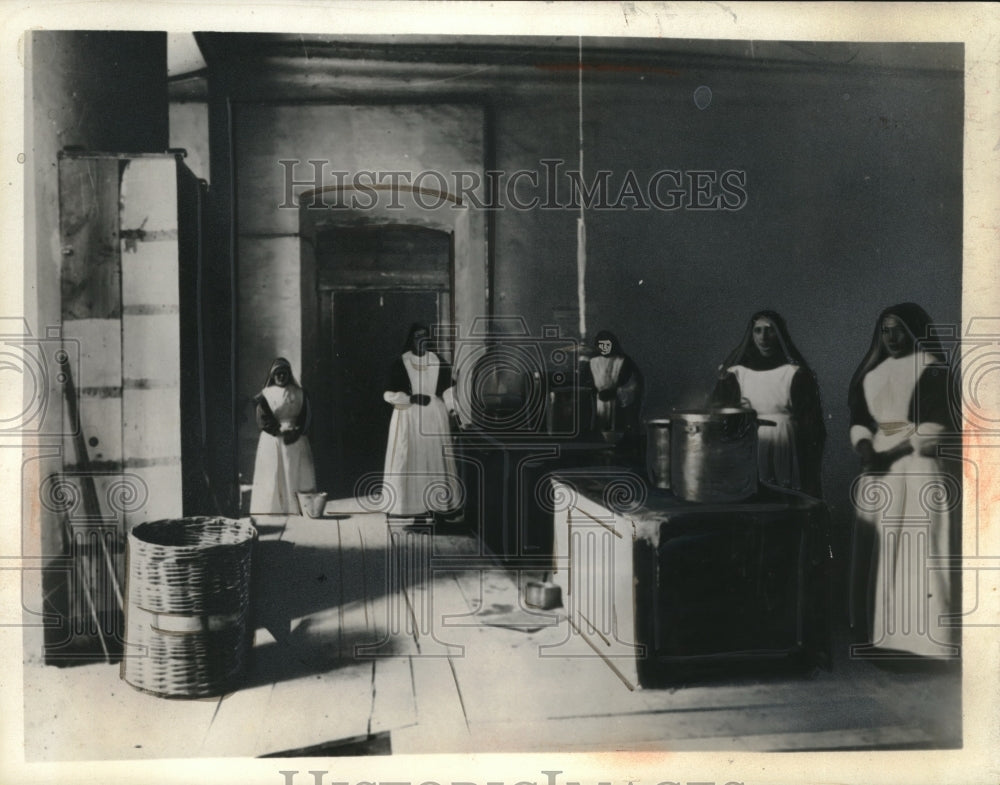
{"x": 187, "y": 606}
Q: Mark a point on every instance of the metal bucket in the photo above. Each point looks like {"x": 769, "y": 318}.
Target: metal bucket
{"x": 542, "y": 594}
{"x": 714, "y": 454}
{"x": 312, "y": 504}
{"x": 658, "y": 452}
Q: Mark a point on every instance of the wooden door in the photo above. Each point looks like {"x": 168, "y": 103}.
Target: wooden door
{"x": 366, "y": 332}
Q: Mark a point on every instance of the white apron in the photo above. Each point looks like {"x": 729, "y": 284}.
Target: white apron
{"x": 281, "y": 470}
{"x": 909, "y": 509}
{"x": 604, "y": 371}
{"x": 769, "y": 393}
{"x": 419, "y": 474}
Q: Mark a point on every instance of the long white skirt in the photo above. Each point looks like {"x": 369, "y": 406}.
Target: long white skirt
{"x": 279, "y": 472}
{"x": 419, "y": 474}
{"x": 909, "y": 511}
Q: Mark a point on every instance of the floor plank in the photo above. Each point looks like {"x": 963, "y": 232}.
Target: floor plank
{"x": 336, "y": 704}
{"x": 394, "y": 704}
{"x": 355, "y": 611}
{"x": 441, "y": 726}
{"x": 600, "y": 734}
{"x": 429, "y": 593}
{"x": 535, "y": 685}
{"x": 236, "y": 728}
{"x": 388, "y": 610}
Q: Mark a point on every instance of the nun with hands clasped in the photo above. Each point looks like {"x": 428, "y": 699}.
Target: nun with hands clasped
{"x": 905, "y": 499}
{"x": 284, "y": 462}
{"x": 419, "y": 477}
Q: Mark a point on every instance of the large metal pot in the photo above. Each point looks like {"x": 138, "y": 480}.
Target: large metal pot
{"x": 714, "y": 454}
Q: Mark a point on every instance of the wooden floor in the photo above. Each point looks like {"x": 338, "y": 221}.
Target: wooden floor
{"x": 378, "y": 639}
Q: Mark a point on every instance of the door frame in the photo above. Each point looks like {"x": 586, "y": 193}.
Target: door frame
{"x": 329, "y": 458}
{"x": 468, "y": 265}
{"x": 468, "y": 269}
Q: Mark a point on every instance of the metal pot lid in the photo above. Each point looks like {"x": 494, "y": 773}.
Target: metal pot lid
{"x": 702, "y": 415}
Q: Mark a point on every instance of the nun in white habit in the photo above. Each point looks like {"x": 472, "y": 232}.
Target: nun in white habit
{"x": 907, "y": 502}
{"x": 419, "y": 477}
{"x": 284, "y": 463}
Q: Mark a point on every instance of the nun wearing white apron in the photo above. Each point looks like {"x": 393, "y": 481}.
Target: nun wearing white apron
{"x": 907, "y": 503}
{"x": 419, "y": 477}
{"x": 618, "y": 389}
{"x": 768, "y": 373}
{"x": 284, "y": 463}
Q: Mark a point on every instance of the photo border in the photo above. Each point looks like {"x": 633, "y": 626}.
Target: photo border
{"x": 976, "y": 25}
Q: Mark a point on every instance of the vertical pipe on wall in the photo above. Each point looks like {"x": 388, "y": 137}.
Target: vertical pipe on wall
{"x": 490, "y": 163}
{"x": 233, "y": 304}
{"x": 200, "y": 315}
{"x": 219, "y": 279}
{"x": 581, "y": 226}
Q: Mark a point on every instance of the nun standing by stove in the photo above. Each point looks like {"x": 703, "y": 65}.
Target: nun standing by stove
{"x": 284, "y": 462}
{"x": 906, "y": 502}
{"x": 419, "y": 477}
{"x": 768, "y": 373}
{"x": 618, "y": 388}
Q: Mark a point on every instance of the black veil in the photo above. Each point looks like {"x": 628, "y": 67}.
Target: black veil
{"x": 280, "y": 362}
{"x": 916, "y": 321}
{"x": 747, "y": 354}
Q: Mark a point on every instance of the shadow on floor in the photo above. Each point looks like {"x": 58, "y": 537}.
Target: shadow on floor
{"x": 308, "y": 652}
{"x": 294, "y": 581}
{"x": 375, "y": 744}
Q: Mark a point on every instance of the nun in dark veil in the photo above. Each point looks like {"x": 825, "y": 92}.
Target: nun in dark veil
{"x": 284, "y": 462}
{"x": 905, "y": 500}
{"x": 768, "y": 373}
{"x": 419, "y": 477}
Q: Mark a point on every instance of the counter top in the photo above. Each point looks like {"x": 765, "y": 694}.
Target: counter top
{"x": 625, "y": 492}
{"x": 500, "y": 438}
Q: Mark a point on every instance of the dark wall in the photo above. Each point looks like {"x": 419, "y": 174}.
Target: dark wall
{"x": 853, "y": 202}
{"x": 852, "y": 160}
{"x": 435, "y": 137}
{"x": 99, "y": 91}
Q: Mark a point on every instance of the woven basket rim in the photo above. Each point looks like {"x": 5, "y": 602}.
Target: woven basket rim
{"x": 243, "y": 530}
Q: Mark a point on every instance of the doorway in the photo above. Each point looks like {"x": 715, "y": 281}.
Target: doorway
{"x": 374, "y": 283}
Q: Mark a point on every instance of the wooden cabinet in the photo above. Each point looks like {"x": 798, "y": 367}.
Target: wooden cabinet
{"x": 593, "y": 565}
{"x": 132, "y": 301}
{"x": 659, "y": 587}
